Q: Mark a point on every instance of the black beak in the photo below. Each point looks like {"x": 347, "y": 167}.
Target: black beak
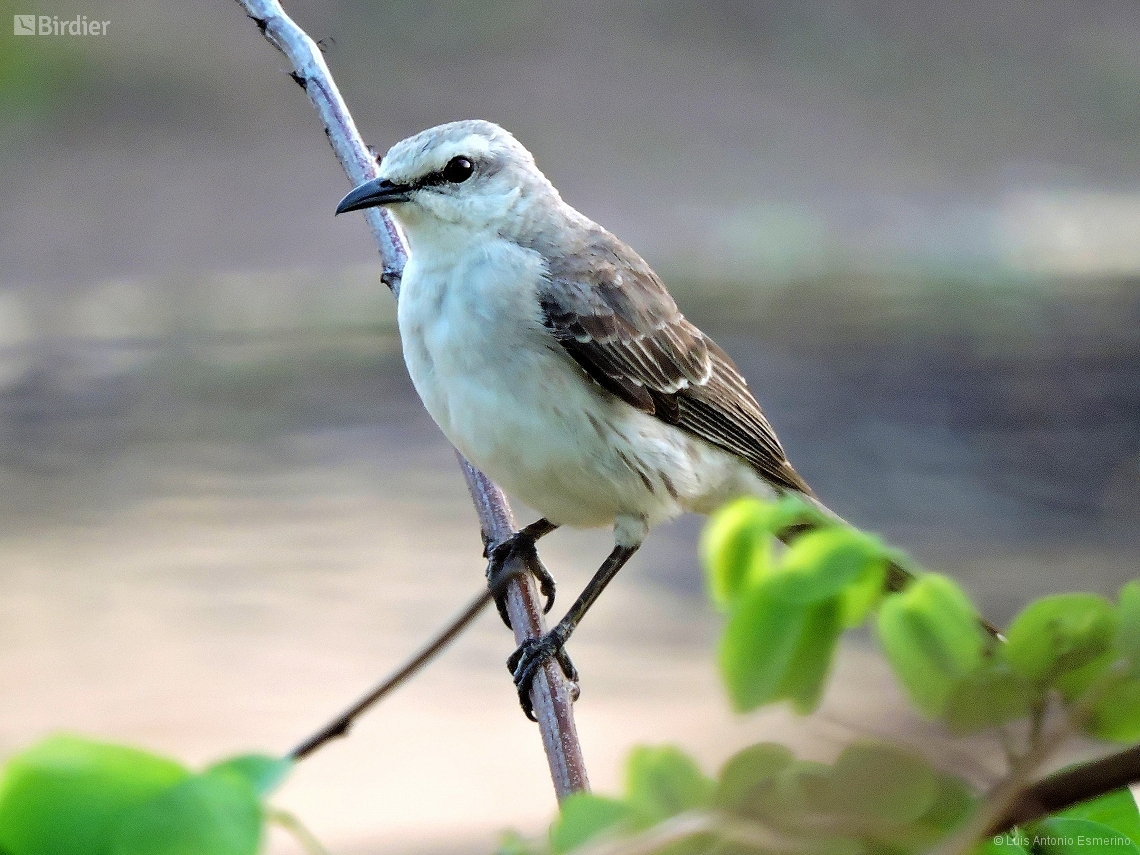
{"x": 379, "y": 191}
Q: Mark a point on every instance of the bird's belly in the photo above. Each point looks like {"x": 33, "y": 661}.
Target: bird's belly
{"x": 577, "y": 455}
{"x": 523, "y": 422}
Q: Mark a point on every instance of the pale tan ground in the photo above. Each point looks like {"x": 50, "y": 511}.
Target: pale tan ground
{"x": 235, "y": 611}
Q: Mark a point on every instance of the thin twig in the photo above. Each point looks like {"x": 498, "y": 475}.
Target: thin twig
{"x": 340, "y": 725}
{"x": 550, "y": 695}
{"x": 1006, "y": 793}
{"x": 1079, "y": 784}
{"x": 1070, "y": 787}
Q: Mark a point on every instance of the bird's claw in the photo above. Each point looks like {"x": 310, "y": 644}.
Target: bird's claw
{"x": 499, "y": 557}
{"x": 531, "y": 655}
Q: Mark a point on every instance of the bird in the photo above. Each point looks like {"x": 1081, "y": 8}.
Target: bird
{"x": 555, "y": 360}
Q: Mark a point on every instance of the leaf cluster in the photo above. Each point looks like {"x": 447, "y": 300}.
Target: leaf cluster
{"x": 787, "y": 608}
{"x": 72, "y": 795}
{"x": 785, "y": 612}
{"x": 874, "y": 799}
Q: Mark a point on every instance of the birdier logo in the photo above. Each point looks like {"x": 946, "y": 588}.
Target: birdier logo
{"x": 51, "y": 25}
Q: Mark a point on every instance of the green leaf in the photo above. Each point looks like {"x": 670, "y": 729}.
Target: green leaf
{"x": 512, "y": 843}
{"x": 953, "y": 802}
{"x": 216, "y": 813}
{"x": 882, "y": 783}
{"x": 1077, "y": 682}
{"x": 1117, "y": 810}
{"x": 932, "y": 639}
{"x": 264, "y": 774}
{"x": 791, "y": 510}
{"x": 1059, "y": 836}
{"x": 662, "y": 782}
{"x": 831, "y": 846}
{"x": 762, "y": 636}
{"x": 864, "y": 594}
{"x": 819, "y": 565}
{"x": 1116, "y": 715}
{"x": 802, "y": 787}
{"x": 1058, "y": 635}
{"x": 65, "y": 795}
{"x": 1128, "y": 633}
{"x": 748, "y": 772}
{"x": 774, "y": 649}
{"x": 736, "y": 548}
{"x": 988, "y": 697}
{"x": 584, "y": 816}
{"x": 806, "y": 673}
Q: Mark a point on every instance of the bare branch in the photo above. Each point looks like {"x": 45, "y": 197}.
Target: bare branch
{"x": 340, "y": 725}
{"x": 550, "y": 695}
{"x": 1070, "y": 787}
{"x": 311, "y": 73}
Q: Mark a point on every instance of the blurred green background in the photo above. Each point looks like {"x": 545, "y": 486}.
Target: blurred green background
{"x": 916, "y": 226}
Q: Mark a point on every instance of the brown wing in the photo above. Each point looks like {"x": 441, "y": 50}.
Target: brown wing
{"x": 612, "y": 314}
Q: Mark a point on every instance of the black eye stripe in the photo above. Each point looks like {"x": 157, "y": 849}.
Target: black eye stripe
{"x": 429, "y": 180}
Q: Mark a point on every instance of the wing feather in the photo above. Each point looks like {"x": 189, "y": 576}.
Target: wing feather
{"x": 614, "y": 317}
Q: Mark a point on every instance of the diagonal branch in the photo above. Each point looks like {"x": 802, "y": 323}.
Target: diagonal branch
{"x": 1070, "y": 787}
{"x": 340, "y": 725}
{"x": 550, "y": 695}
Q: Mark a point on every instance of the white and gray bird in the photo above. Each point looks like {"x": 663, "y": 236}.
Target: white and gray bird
{"x": 554, "y": 359}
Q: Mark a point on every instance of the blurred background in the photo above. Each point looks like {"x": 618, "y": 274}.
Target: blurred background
{"x": 224, "y": 514}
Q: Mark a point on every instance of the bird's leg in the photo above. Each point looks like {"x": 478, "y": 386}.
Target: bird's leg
{"x": 525, "y": 662}
{"x": 521, "y": 542}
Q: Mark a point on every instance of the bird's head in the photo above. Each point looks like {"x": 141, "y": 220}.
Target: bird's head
{"x": 469, "y": 176}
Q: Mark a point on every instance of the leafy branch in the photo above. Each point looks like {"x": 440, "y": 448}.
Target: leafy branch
{"x": 1069, "y": 664}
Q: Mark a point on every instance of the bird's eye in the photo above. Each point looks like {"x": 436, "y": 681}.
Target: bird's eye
{"x": 458, "y": 170}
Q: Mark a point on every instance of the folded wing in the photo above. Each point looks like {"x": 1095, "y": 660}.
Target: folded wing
{"x": 611, "y": 313}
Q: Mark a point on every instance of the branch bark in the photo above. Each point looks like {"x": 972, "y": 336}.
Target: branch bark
{"x": 550, "y": 694}
{"x": 1070, "y": 787}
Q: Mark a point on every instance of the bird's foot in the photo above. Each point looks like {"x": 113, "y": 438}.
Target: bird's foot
{"x": 524, "y": 665}
{"x": 521, "y": 543}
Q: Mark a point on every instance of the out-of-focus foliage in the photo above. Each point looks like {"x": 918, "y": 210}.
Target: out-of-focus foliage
{"x": 786, "y": 613}
{"x": 874, "y": 799}
{"x": 1075, "y": 655}
{"x": 786, "y": 609}
{"x": 873, "y": 795}
{"x": 75, "y": 796}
